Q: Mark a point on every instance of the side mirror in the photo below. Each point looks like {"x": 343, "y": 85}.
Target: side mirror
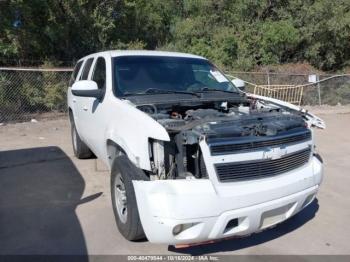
{"x": 239, "y": 83}
{"x": 87, "y": 88}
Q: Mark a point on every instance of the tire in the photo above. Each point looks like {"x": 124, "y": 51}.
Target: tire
{"x": 81, "y": 150}
{"x": 126, "y": 212}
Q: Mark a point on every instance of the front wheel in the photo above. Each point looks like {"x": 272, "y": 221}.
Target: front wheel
{"x": 124, "y": 199}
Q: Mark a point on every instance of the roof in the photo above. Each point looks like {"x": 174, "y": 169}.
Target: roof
{"x": 115, "y": 53}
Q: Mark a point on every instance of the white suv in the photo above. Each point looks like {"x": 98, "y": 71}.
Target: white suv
{"x": 192, "y": 157}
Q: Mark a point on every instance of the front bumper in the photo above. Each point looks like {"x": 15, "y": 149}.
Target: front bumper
{"x": 205, "y": 210}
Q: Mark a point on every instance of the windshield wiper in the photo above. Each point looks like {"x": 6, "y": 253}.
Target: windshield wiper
{"x": 206, "y": 89}
{"x": 152, "y": 91}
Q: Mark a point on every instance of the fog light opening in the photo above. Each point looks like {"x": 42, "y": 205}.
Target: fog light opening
{"x": 308, "y": 200}
{"x": 231, "y": 225}
{"x": 177, "y": 229}
{"x": 182, "y": 227}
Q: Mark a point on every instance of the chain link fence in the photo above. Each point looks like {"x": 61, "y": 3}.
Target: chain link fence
{"x": 327, "y": 90}
{"x": 32, "y": 93}
{"x": 41, "y": 93}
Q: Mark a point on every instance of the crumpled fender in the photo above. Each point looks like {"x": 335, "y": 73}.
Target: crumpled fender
{"x": 136, "y": 132}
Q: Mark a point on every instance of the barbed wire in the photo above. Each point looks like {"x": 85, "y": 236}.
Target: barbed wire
{"x": 35, "y": 69}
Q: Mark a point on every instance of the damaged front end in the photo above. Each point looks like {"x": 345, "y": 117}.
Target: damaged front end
{"x": 227, "y": 167}
{"x": 227, "y": 128}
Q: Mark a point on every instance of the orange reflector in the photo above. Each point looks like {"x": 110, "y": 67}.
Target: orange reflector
{"x": 196, "y": 244}
{"x": 179, "y": 246}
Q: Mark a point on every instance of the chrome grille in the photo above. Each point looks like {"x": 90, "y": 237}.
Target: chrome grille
{"x": 261, "y": 168}
{"x": 221, "y": 148}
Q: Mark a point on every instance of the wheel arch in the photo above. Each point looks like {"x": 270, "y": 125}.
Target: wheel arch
{"x": 70, "y": 114}
{"x": 113, "y": 150}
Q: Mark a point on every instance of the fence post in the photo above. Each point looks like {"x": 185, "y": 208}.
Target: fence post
{"x": 319, "y": 89}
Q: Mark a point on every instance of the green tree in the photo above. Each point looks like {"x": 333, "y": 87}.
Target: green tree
{"x": 279, "y": 41}
{"x": 237, "y": 34}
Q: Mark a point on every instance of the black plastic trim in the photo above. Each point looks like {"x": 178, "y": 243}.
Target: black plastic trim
{"x": 256, "y": 142}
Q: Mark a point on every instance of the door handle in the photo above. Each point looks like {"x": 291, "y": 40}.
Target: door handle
{"x": 85, "y": 108}
{"x": 74, "y": 100}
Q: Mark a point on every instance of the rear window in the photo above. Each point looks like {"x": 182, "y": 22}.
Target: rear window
{"x": 86, "y": 69}
{"x": 75, "y": 73}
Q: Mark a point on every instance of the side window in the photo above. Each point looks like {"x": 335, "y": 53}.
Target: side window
{"x": 99, "y": 75}
{"x": 75, "y": 73}
{"x": 86, "y": 69}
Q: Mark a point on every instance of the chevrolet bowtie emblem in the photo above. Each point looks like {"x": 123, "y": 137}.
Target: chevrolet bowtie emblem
{"x": 274, "y": 153}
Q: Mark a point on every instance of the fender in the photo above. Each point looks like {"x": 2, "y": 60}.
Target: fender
{"x": 120, "y": 142}
{"x": 137, "y": 147}
{"x": 312, "y": 120}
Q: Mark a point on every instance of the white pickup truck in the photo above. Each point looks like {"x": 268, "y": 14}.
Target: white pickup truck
{"x": 192, "y": 157}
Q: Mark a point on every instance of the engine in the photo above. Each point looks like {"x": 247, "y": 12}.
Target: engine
{"x": 188, "y": 124}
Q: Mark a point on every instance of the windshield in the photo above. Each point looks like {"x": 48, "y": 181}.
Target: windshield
{"x": 135, "y": 75}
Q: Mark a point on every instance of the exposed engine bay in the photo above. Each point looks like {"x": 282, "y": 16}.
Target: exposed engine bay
{"x": 219, "y": 122}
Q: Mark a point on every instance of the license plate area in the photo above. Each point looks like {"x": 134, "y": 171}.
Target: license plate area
{"x": 277, "y": 215}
